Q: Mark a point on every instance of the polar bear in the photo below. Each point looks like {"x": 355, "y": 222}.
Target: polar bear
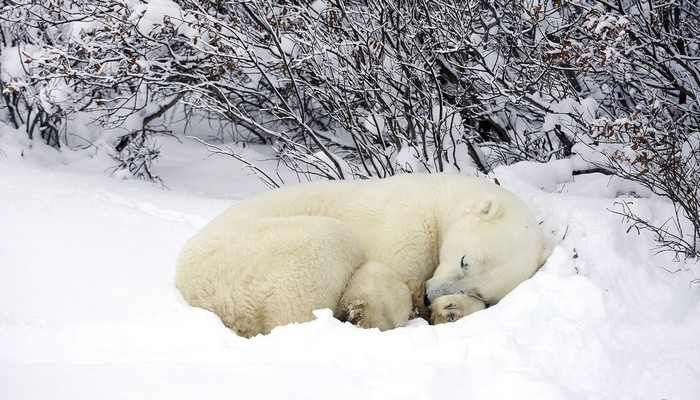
{"x": 377, "y": 252}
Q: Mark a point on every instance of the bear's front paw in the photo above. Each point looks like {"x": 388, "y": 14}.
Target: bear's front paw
{"x": 452, "y": 307}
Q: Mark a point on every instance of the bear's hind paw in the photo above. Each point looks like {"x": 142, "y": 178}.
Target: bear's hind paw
{"x": 353, "y": 312}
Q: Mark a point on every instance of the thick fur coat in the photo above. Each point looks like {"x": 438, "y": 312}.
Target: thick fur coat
{"x": 376, "y": 252}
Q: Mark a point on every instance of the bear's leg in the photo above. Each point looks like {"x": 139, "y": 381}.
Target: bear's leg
{"x": 375, "y": 298}
{"x": 452, "y": 307}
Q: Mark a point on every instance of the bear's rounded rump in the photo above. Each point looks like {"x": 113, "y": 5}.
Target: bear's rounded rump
{"x": 251, "y": 277}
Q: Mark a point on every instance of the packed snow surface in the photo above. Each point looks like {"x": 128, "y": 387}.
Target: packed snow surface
{"x": 88, "y": 308}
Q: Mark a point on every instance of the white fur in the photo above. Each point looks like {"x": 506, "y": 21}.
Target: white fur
{"x": 364, "y": 249}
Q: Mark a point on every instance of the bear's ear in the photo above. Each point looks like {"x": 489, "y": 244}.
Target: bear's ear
{"x": 488, "y": 208}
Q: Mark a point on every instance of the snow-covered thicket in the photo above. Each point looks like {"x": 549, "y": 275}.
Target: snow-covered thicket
{"x": 643, "y": 61}
{"x": 370, "y": 87}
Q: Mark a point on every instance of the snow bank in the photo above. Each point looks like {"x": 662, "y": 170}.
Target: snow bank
{"x": 89, "y": 309}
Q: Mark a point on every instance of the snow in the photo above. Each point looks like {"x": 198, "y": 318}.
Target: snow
{"x": 88, "y": 308}
{"x": 11, "y": 61}
{"x": 559, "y": 113}
{"x": 154, "y": 12}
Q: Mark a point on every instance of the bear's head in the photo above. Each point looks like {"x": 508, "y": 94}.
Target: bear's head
{"x": 486, "y": 252}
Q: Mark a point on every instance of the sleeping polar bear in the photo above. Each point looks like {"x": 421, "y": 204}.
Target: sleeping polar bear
{"x": 376, "y": 252}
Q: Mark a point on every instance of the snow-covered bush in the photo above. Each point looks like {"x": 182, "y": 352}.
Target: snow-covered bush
{"x": 358, "y": 88}
{"x": 362, "y": 88}
{"x": 643, "y": 59}
{"x": 104, "y": 64}
{"x": 379, "y": 87}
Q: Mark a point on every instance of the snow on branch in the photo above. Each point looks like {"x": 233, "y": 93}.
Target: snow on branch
{"x": 363, "y": 88}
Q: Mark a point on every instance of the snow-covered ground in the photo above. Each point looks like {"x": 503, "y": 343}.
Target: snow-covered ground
{"x": 88, "y": 309}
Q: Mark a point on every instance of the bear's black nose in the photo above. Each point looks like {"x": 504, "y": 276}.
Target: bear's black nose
{"x": 426, "y": 301}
